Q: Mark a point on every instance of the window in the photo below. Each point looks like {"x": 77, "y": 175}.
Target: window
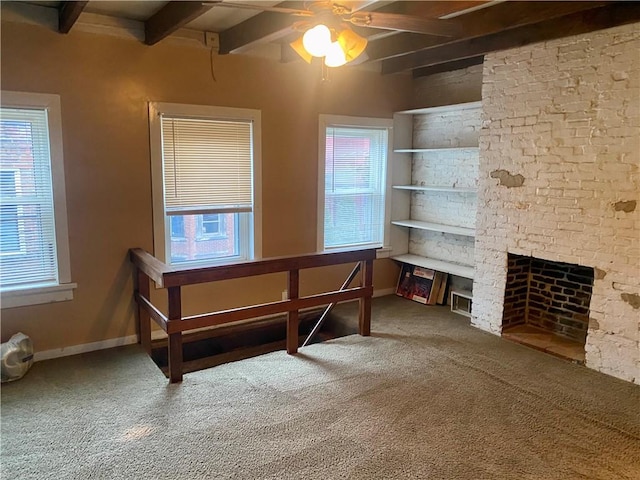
{"x": 212, "y": 225}
{"x": 177, "y": 227}
{"x": 34, "y": 250}
{"x": 353, "y": 176}
{"x": 206, "y": 168}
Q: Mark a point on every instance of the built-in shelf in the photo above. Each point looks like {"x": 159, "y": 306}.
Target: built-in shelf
{"x": 436, "y": 227}
{"x": 443, "y": 108}
{"x": 436, "y": 188}
{"x": 433, "y": 149}
{"x": 465, "y": 271}
{"x": 452, "y": 142}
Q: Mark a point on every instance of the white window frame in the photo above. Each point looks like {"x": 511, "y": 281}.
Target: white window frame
{"x": 326, "y": 121}
{"x": 35, "y": 294}
{"x": 160, "y": 219}
{"x": 200, "y": 234}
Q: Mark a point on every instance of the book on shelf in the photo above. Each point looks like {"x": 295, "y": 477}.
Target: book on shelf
{"x": 435, "y": 290}
{"x": 442, "y": 294}
{"x": 415, "y": 283}
{"x": 422, "y": 285}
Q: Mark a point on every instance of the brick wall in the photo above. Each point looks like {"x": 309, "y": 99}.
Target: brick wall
{"x": 554, "y": 296}
{"x": 452, "y": 208}
{"x": 516, "y": 291}
{"x": 446, "y": 129}
{"x": 458, "y": 86}
{"x": 452, "y": 168}
{"x": 459, "y": 168}
{"x": 559, "y": 180}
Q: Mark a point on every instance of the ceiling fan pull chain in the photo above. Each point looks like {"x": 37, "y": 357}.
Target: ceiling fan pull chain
{"x": 325, "y": 72}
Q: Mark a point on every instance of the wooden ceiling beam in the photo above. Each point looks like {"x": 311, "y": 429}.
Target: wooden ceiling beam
{"x": 448, "y": 67}
{"x": 68, "y": 13}
{"x": 430, "y": 9}
{"x": 271, "y": 26}
{"x": 479, "y": 23}
{"x": 610, "y": 15}
{"x": 401, "y": 44}
{"x": 171, "y": 17}
{"x": 262, "y": 28}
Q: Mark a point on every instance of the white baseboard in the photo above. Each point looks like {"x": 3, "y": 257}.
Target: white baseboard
{"x": 84, "y": 348}
{"x": 118, "y": 342}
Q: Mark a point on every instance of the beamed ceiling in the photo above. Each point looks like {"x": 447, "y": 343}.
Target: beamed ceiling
{"x": 480, "y": 27}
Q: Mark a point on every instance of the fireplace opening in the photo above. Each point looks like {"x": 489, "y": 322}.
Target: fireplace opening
{"x": 546, "y": 305}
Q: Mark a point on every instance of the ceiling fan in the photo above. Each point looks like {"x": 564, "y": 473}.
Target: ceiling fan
{"x": 322, "y": 10}
{"x": 327, "y": 33}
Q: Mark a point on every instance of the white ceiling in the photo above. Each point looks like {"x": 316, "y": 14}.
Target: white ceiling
{"x": 219, "y": 18}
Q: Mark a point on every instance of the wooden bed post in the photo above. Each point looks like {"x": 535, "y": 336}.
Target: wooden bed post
{"x": 364, "y": 314}
{"x": 292, "y": 315}
{"x": 175, "y": 339}
{"x": 144, "y": 320}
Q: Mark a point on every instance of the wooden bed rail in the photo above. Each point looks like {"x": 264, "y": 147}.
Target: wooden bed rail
{"x": 173, "y": 278}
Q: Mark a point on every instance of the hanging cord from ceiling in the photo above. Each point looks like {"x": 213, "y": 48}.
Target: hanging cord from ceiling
{"x": 213, "y": 72}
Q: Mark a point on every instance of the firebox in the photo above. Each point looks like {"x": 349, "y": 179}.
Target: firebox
{"x": 548, "y": 296}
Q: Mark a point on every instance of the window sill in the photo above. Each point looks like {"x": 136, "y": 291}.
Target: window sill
{"x": 37, "y": 295}
{"x": 381, "y": 252}
{"x": 211, "y": 238}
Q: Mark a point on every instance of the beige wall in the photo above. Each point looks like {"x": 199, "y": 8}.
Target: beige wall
{"x": 105, "y": 83}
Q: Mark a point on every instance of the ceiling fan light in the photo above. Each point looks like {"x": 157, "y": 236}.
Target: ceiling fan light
{"x": 299, "y": 49}
{"x": 317, "y": 40}
{"x": 352, "y": 44}
{"x": 335, "y": 56}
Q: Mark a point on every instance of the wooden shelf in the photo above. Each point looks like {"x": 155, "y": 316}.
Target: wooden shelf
{"x": 436, "y": 227}
{"x": 443, "y": 108}
{"x": 458, "y": 143}
{"x": 433, "y": 149}
{"x": 435, "y": 188}
{"x": 464, "y": 271}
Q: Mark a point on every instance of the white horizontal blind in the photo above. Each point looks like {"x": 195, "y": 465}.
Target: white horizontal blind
{"x": 355, "y": 160}
{"x": 207, "y": 165}
{"x": 27, "y": 232}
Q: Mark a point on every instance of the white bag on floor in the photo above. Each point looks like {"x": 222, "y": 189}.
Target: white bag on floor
{"x": 16, "y": 356}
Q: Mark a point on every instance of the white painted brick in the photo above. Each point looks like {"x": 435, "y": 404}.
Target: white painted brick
{"x": 442, "y": 246}
{"x": 565, "y": 114}
{"x": 448, "y": 168}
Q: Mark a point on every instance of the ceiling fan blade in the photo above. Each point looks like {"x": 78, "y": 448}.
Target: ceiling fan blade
{"x": 406, "y": 23}
{"x": 263, "y": 8}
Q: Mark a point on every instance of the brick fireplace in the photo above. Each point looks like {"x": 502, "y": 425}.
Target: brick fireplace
{"x": 548, "y": 297}
{"x": 559, "y": 184}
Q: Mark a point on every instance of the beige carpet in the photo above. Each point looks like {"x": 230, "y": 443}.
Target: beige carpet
{"x": 425, "y": 397}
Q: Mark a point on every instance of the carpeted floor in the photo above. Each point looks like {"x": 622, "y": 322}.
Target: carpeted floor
{"x": 427, "y": 397}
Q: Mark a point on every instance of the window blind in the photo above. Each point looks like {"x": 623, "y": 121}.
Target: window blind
{"x": 355, "y": 164}
{"x": 207, "y": 165}
{"x": 27, "y": 227}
